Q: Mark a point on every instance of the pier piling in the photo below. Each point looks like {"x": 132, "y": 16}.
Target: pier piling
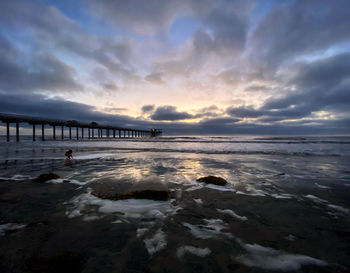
{"x": 17, "y": 132}
{"x": 34, "y": 132}
{"x": 42, "y": 132}
{"x": 7, "y": 131}
{"x": 9, "y": 119}
{"x": 54, "y": 132}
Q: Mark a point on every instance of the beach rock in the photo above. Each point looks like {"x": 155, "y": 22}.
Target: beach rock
{"x": 141, "y": 194}
{"x": 45, "y": 177}
{"x": 126, "y": 188}
{"x": 213, "y": 180}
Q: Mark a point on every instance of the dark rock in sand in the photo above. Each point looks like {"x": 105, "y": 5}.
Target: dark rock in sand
{"x": 67, "y": 262}
{"x": 45, "y": 177}
{"x": 213, "y": 180}
{"x": 142, "y": 194}
{"x": 119, "y": 189}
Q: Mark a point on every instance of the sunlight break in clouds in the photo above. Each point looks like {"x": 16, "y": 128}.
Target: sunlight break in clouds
{"x": 185, "y": 66}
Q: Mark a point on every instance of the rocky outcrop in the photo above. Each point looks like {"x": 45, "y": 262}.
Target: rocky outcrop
{"x": 46, "y": 177}
{"x": 157, "y": 195}
{"x": 121, "y": 189}
{"x": 213, "y": 180}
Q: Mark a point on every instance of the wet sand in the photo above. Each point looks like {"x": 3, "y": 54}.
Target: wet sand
{"x": 277, "y": 213}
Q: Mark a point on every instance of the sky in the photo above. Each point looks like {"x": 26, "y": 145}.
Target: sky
{"x": 186, "y": 66}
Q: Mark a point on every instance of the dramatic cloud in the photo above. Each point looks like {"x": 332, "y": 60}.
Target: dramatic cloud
{"x": 155, "y": 78}
{"x": 147, "y": 108}
{"x": 49, "y": 74}
{"x": 303, "y": 27}
{"x": 193, "y": 66}
{"x": 323, "y": 84}
{"x": 169, "y": 113}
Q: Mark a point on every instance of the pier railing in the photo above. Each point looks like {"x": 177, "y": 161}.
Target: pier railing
{"x": 94, "y": 130}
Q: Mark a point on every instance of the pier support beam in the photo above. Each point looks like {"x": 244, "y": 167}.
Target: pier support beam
{"x": 33, "y": 131}
{"x": 89, "y": 133}
{"x": 54, "y": 132}
{"x": 42, "y": 132}
{"x": 107, "y": 133}
{"x": 17, "y": 131}
{"x": 93, "y": 132}
{"x": 120, "y": 133}
{"x": 124, "y": 133}
{"x": 7, "y": 131}
{"x": 77, "y": 132}
{"x": 70, "y": 132}
{"x": 82, "y": 132}
{"x": 113, "y": 133}
{"x": 62, "y": 132}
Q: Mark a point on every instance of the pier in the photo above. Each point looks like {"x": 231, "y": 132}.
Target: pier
{"x": 93, "y": 129}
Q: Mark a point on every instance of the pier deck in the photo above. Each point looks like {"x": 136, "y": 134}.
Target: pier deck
{"x": 92, "y": 128}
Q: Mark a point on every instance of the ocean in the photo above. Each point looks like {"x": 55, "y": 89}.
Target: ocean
{"x": 286, "y": 206}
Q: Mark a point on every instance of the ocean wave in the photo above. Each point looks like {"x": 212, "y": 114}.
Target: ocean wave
{"x": 242, "y": 152}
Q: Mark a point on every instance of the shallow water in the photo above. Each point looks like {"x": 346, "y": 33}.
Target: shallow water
{"x": 285, "y": 208}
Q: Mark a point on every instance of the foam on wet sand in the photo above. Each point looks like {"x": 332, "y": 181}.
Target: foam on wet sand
{"x": 130, "y": 208}
{"x": 156, "y": 243}
{"x": 271, "y": 259}
{"x": 10, "y": 227}
{"x": 233, "y": 214}
{"x": 200, "y": 252}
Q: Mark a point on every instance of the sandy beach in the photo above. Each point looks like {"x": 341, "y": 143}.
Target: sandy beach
{"x": 280, "y": 211}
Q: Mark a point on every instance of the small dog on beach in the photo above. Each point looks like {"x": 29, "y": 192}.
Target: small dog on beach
{"x": 69, "y": 154}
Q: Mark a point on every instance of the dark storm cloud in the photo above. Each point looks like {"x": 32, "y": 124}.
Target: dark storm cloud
{"x": 45, "y": 73}
{"x": 56, "y": 108}
{"x": 320, "y": 85}
{"x": 245, "y": 112}
{"x": 169, "y": 113}
{"x": 300, "y": 28}
{"x": 256, "y": 88}
{"x": 155, "y": 78}
{"x": 323, "y": 84}
{"x": 53, "y": 30}
{"x": 229, "y": 25}
{"x": 141, "y": 16}
{"x": 147, "y": 108}
{"x": 147, "y": 17}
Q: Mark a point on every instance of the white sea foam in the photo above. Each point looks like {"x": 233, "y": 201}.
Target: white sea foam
{"x": 18, "y": 177}
{"x": 198, "y": 186}
{"x": 93, "y": 156}
{"x": 10, "y": 227}
{"x": 339, "y": 208}
{"x": 198, "y": 201}
{"x": 290, "y": 237}
{"x": 62, "y": 180}
{"x": 86, "y": 203}
{"x": 282, "y": 195}
{"x": 200, "y": 252}
{"x": 316, "y": 199}
{"x": 253, "y": 192}
{"x": 321, "y": 186}
{"x": 88, "y": 218}
{"x": 212, "y": 229}
{"x": 271, "y": 259}
{"x": 194, "y": 188}
{"x": 220, "y": 188}
{"x": 156, "y": 243}
{"x": 233, "y": 214}
{"x": 141, "y": 231}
